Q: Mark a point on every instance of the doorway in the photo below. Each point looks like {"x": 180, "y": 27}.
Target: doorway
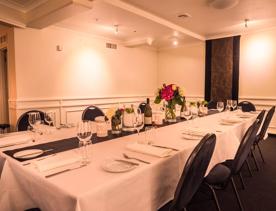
{"x": 4, "y": 104}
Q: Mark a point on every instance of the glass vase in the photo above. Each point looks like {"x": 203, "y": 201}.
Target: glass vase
{"x": 170, "y": 114}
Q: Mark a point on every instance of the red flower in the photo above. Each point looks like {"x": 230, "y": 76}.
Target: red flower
{"x": 167, "y": 93}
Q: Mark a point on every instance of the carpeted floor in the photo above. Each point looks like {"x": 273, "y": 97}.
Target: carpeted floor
{"x": 260, "y": 191}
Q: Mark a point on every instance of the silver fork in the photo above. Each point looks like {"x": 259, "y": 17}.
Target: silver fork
{"x": 133, "y": 158}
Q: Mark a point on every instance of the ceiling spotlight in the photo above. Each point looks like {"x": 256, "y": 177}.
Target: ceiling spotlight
{"x": 223, "y": 4}
{"x": 184, "y": 15}
{"x": 246, "y": 22}
{"x": 149, "y": 41}
{"x": 116, "y": 29}
{"x": 175, "y": 42}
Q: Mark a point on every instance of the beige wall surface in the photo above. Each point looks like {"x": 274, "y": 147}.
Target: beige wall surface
{"x": 258, "y": 64}
{"x": 84, "y": 68}
{"x": 184, "y": 66}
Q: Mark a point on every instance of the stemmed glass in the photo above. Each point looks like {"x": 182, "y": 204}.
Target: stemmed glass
{"x": 234, "y": 104}
{"x": 138, "y": 122}
{"x": 220, "y": 106}
{"x": 84, "y": 134}
{"x": 228, "y": 105}
{"x": 34, "y": 120}
{"x": 49, "y": 118}
{"x": 187, "y": 113}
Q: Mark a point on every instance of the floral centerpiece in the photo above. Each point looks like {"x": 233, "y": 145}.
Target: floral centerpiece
{"x": 173, "y": 95}
{"x": 115, "y": 115}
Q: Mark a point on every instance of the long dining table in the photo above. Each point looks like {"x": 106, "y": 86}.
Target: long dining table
{"x": 146, "y": 187}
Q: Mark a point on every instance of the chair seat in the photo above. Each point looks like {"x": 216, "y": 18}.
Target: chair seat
{"x": 218, "y": 175}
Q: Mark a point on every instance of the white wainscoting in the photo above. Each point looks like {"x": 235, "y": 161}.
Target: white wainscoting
{"x": 69, "y": 110}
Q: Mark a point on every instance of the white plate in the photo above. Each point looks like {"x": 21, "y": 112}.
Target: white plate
{"x": 29, "y": 153}
{"x": 116, "y": 166}
{"x": 191, "y": 137}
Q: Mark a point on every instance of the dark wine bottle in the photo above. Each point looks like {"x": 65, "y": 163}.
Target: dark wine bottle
{"x": 148, "y": 114}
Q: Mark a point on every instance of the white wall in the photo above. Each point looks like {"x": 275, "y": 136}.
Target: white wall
{"x": 258, "y": 69}
{"x": 184, "y": 66}
{"x": 85, "y": 72}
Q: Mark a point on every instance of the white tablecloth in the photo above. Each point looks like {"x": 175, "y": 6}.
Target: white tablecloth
{"x": 90, "y": 188}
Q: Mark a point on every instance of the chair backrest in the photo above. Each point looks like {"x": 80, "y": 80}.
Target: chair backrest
{"x": 212, "y": 104}
{"x": 23, "y": 121}
{"x": 266, "y": 123}
{"x": 245, "y": 146}
{"x": 247, "y": 106}
{"x": 91, "y": 112}
{"x": 194, "y": 172}
{"x": 142, "y": 107}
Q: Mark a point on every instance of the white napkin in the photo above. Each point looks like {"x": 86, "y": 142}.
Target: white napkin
{"x": 149, "y": 150}
{"x": 51, "y": 164}
{"x": 195, "y": 131}
{"x": 15, "y": 139}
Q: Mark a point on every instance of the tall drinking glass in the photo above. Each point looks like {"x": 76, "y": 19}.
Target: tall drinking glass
{"x": 50, "y": 118}
{"x": 84, "y": 134}
{"x": 220, "y": 106}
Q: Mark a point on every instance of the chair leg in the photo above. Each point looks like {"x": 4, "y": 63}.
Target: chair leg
{"x": 255, "y": 161}
{"x": 237, "y": 194}
{"x": 215, "y": 197}
{"x": 249, "y": 169}
{"x": 260, "y": 153}
{"x": 242, "y": 182}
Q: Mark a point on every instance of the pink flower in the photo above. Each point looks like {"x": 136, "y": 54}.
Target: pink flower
{"x": 167, "y": 93}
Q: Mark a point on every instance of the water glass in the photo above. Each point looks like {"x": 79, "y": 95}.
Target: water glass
{"x": 234, "y": 104}
{"x": 50, "y": 118}
{"x": 220, "y": 106}
{"x": 150, "y": 134}
{"x": 187, "y": 113}
{"x": 84, "y": 133}
{"x": 228, "y": 105}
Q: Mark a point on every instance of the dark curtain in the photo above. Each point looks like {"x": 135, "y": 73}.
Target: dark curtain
{"x": 222, "y": 69}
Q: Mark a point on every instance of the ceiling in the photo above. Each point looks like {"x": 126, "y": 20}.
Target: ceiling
{"x": 132, "y": 29}
{"x": 141, "y": 20}
{"x": 210, "y": 22}
{"x": 22, "y": 5}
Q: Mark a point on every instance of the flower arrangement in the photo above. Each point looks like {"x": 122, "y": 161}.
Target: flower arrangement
{"x": 173, "y": 95}
{"x": 116, "y": 121}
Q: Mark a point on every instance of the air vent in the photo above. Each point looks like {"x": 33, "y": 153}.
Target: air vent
{"x": 111, "y": 45}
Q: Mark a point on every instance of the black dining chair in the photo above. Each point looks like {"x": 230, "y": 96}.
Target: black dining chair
{"x": 142, "y": 107}
{"x": 91, "y": 112}
{"x": 261, "y": 135}
{"x": 4, "y": 128}
{"x": 223, "y": 173}
{"x": 23, "y": 122}
{"x": 260, "y": 117}
{"x": 247, "y": 106}
{"x": 193, "y": 173}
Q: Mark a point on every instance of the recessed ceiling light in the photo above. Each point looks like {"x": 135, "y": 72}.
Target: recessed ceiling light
{"x": 223, "y": 4}
{"x": 175, "y": 42}
{"x": 184, "y": 15}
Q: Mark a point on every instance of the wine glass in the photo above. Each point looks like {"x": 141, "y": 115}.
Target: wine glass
{"x": 220, "y": 106}
{"x": 234, "y": 104}
{"x": 138, "y": 122}
{"x": 49, "y": 118}
{"x": 34, "y": 120}
{"x": 228, "y": 105}
{"x": 187, "y": 113}
{"x": 84, "y": 134}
